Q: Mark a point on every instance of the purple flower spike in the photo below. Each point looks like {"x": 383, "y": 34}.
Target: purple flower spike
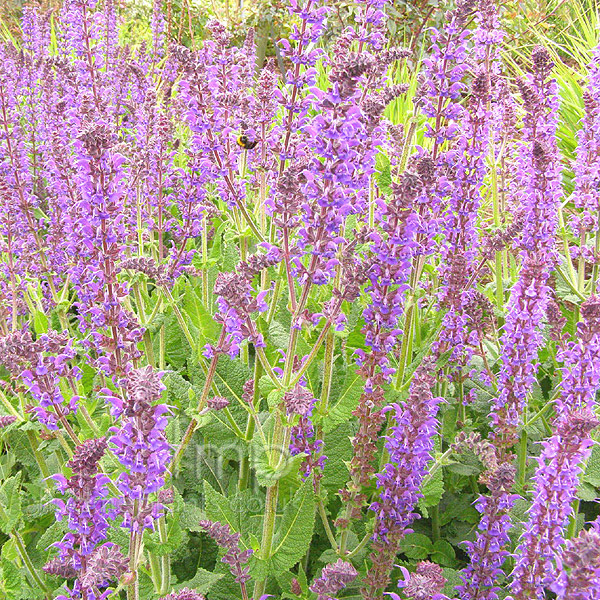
{"x": 579, "y": 577}
{"x": 88, "y": 511}
{"x": 487, "y": 553}
{"x": 301, "y": 402}
{"x": 539, "y": 176}
{"x": 140, "y": 445}
{"x": 556, "y": 481}
{"x": 333, "y": 578}
{"x": 426, "y": 583}
{"x": 234, "y": 557}
{"x": 410, "y": 447}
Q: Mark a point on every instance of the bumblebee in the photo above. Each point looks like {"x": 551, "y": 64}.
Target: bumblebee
{"x": 246, "y": 143}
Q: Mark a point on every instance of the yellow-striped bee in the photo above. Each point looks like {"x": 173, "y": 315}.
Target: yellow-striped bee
{"x": 246, "y": 143}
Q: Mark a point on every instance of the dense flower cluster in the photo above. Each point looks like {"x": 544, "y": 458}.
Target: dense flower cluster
{"x": 300, "y": 402}
{"x": 184, "y": 594}
{"x": 539, "y": 175}
{"x": 488, "y": 552}
{"x": 426, "y": 583}
{"x": 88, "y": 511}
{"x": 140, "y": 445}
{"x": 579, "y": 573}
{"x": 561, "y": 460}
{"x": 41, "y": 365}
{"x": 333, "y": 578}
{"x": 410, "y": 445}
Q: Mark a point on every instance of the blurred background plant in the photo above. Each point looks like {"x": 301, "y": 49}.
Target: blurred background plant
{"x": 568, "y": 28}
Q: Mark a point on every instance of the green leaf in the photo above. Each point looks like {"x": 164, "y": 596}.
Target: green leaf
{"x": 592, "y": 471}
{"x": 433, "y": 490}
{"x": 10, "y": 500}
{"x": 40, "y": 322}
{"x": 453, "y": 579}
{"x": 175, "y": 538}
{"x": 217, "y": 508}
{"x": 383, "y": 172}
{"x": 177, "y": 348}
{"x": 293, "y": 535}
{"x": 458, "y": 507}
{"x": 416, "y": 546}
{"x": 177, "y": 389}
{"x": 199, "y": 317}
{"x": 443, "y": 554}
{"x": 201, "y": 582}
{"x": 11, "y": 580}
{"x": 342, "y": 404}
{"x": 262, "y": 456}
{"x": 190, "y": 517}
{"x": 54, "y": 533}
{"x": 338, "y": 448}
{"x": 295, "y": 530}
{"x": 586, "y": 492}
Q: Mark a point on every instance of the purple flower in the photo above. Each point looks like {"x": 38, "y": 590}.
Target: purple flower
{"x": 426, "y": 583}
{"x": 586, "y": 195}
{"x": 88, "y": 511}
{"x": 560, "y": 463}
{"x": 184, "y": 594}
{"x": 6, "y": 420}
{"x": 236, "y": 303}
{"x": 42, "y": 364}
{"x": 333, "y": 578}
{"x": 556, "y": 481}
{"x": 140, "y": 445}
{"x": 579, "y": 567}
{"x": 487, "y": 553}
{"x": 539, "y": 176}
{"x": 410, "y": 446}
{"x": 234, "y": 556}
{"x": 300, "y": 402}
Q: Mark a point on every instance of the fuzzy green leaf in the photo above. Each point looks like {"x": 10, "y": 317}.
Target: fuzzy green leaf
{"x": 295, "y": 530}
{"x": 345, "y": 402}
{"x": 201, "y": 582}
{"x": 416, "y": 546}
{"x": 10, "y": 500}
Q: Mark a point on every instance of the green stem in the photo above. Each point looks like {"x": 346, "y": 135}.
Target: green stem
{"x": 327, "y": 527}
{"x": 31, "y": 570}
{"x": 155, "y": 572}
{"x": 522, "y": 453}
{"x": 10, "y": 408}
{"x": 406, "y": 345}
{"x": 437, "y": 465}
{"x": 267, "y": 534}
{"x": 497, "y": 221}
{"x": 595, "y": 267}
{"x": 323, "y": 408}
{"x": 212, "y": 369}
{"x": 88, "y": 419}
{"x": 39, "y": 458}
{"x": 563, "y": 234}
{"x": 244, "y": 475}
{"x": 149, "y": 349}
{"x": 180, "y": 319}
{"x": 165, "y": 560}
{"x": 360, "y": 546}
{"x": 572, "y": 528}
{"x": 462, "y": 409}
